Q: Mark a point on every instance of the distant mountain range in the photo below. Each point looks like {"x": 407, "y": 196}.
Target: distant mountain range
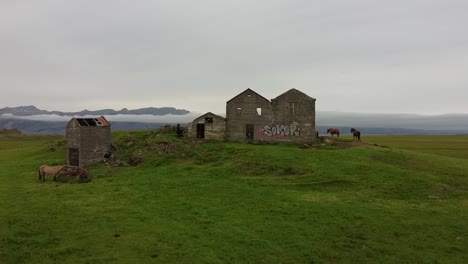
{"x": 29, "y": 119}
{"x": 32, "y": 110}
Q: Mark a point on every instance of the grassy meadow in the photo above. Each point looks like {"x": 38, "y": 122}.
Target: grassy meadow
{"x": 220, "y": 202}
{"x": 455, "y": 146}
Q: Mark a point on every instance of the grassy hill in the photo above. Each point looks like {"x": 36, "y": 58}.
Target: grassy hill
{"x": 218, "y": 202}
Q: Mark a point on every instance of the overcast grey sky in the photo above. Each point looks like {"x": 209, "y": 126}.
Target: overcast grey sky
{"x": 399, "y": 56}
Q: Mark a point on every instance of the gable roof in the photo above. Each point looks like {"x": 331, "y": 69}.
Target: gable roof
{"x": 294, "y": 90}
{"x": 248, "y": 91}
{"x": 209, "y": 113}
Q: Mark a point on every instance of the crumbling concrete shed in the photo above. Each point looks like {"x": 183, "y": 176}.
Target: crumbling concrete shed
{"x": 88, "y": 140}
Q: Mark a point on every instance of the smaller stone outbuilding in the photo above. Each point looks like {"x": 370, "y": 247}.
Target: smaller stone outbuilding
{"x": 207, "y": 126}
{"x": 88, "y": 140}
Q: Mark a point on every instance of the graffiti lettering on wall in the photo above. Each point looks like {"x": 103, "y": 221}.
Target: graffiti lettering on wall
{"x": 280, "y": 130}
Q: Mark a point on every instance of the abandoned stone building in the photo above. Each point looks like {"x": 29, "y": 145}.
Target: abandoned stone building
{"x": 88, "y": 140}
{"x": 290, "y": 117}
{"x": 208, "y": 126}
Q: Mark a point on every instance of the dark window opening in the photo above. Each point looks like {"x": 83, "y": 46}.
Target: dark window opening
{"x": 208, "y": 120}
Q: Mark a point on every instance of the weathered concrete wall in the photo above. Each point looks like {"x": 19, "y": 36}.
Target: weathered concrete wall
{"x": 214, "y": 125}
{"x": 293, "y": 117}
{"x": 72, "y": 134}
{"x": 289, "y": 117}
{"x": 94, "y": 144}
{"x": 248, "y": 108}
{"x": 91, "y": 142}
{"x": 189, "y": 132}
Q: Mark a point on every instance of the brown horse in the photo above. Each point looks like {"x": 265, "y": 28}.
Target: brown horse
{"x": 356, "y": 134}
{"x": 52, "y": 170}
{"x": 334, "y": 131}
{"x": 80, "y": 173}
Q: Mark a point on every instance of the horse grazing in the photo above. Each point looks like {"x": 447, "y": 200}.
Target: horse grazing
{"x": 68, "y": 170}
{"x": 80, "y": 173}
{"x": 52, "y": 170}
{"x": 334, "y": 131}
{"x": 356, "y": 134}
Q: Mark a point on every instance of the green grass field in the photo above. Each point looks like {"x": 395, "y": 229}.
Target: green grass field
{"x": 220, "y": 202}
{"x": 455, "y": 146}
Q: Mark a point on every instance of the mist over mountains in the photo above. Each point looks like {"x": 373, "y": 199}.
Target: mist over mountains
{"x": 32, "y": 110}
{"x": 29, "y": 119}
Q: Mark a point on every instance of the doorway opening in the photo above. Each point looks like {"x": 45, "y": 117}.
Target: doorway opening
{"x": 201, "y": 131}
{"x": 249, "y": 131}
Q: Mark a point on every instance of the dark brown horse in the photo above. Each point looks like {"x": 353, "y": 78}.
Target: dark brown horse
{"x": 356, "y": 134}
{"x": 334, "y": 131}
